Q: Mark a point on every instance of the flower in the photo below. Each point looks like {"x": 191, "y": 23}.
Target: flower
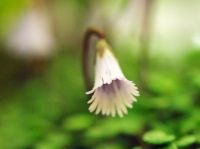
{"x": 112, "y": 92}
{"x": 32, "y": 36}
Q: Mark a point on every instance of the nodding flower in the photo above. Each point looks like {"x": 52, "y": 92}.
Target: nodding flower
{"x": 112, "y": 92}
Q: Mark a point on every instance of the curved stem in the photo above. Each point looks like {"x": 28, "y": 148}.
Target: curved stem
{"x": 85, "y": 55}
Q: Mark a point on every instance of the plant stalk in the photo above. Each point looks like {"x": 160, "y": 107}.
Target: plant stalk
{"x": 91, "y": 32}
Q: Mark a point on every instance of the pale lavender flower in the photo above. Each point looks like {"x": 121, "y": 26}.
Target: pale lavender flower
{"x": 32, "y": 36}
{"x": 112, "y": 92}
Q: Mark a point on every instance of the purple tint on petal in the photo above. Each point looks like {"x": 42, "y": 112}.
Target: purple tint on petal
{"x": 109, "y": 88}
{"x": 118, "y": 83}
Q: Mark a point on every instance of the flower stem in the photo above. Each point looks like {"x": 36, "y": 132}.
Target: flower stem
{"x": 86, "y": 54}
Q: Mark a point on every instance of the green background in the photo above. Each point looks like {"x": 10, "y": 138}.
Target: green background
{"x": 47, "y": 108}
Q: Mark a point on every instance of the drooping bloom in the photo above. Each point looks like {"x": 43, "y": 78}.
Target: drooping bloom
{"x": 112, "y": 92}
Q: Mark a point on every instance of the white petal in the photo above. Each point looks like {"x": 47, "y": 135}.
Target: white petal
{"x": 113, "y": 93}
{"x": 107, "y": 70}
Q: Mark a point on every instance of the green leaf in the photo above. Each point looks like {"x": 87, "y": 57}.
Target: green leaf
{"x": 78, "y": 122}
{"x": 111, "y": 127}
{"x": 157, "y": 137}
{"x": 186, "y": 141}
{"x": 54, "y": 140}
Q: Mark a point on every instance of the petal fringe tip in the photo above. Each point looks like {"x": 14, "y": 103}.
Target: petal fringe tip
{"x": 113, "y": 99}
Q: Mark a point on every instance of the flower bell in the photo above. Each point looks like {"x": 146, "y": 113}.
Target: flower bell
{"x": 112, "y": 92}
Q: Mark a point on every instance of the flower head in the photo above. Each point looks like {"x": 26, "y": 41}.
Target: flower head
{"x": 112, "y": 92}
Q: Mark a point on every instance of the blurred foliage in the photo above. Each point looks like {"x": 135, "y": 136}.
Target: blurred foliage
{"x": 48, "y": 110}
{"x": 158, "y": 137}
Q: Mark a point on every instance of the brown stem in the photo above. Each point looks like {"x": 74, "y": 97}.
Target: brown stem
{"x": 85, "y": 55}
